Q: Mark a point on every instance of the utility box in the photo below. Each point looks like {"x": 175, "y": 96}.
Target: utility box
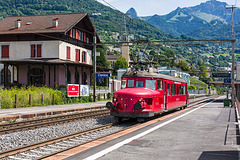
{"x": 226, "y": 102}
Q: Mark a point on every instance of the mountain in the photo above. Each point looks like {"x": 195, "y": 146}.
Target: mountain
{"x": 190, "y": 20}
{"x": 132, "y": 13}
{"x": 110, "y": 19}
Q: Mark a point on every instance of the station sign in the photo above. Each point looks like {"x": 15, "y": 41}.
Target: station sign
{"x": 99, "y": 79}
{"x": 227, "y": 80}
{"x": 221, "y": 75}
{"x": 73, "y": 90}
{"x": 102, "y": 74}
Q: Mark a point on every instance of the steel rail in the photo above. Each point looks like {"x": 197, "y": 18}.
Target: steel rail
{"x": 39, "y": 123}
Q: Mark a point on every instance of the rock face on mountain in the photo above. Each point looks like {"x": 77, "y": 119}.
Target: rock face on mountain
{"x": 132, "y": 13}
{"x": 190, "y": 19}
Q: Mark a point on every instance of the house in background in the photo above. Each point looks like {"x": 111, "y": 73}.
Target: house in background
{"x": 47, "y": 50}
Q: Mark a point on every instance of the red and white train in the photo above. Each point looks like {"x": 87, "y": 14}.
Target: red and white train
{"x": 146, "y": 93}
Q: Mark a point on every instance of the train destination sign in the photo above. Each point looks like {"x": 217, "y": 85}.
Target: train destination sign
{"x": 102, "y": 74}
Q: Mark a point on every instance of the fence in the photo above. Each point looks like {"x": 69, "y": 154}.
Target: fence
{"x": 193, "y": 91}
{"x": 28, "y": 100}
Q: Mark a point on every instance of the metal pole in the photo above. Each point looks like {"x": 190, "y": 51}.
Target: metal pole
{"x": 94, "y": 57}
{"x": 94, "y": 64}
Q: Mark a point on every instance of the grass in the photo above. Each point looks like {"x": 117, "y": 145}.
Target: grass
{"x": 36, "y": 96}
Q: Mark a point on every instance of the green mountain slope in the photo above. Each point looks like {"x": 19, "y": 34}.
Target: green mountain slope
{"x": 109, "y": 21}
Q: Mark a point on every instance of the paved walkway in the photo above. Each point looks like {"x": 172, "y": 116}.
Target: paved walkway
{"x": 208, "y": 132}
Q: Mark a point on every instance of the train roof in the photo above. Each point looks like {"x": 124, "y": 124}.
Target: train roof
{"x": 151, "y": 73}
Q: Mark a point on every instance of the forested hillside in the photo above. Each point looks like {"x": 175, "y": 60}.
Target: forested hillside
{"x": 110, "y": 20}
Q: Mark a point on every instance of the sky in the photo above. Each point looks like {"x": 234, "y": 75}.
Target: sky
{"x": 160, "y": 7}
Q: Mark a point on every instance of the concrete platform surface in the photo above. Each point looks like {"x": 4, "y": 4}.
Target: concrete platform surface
{"x": 28, "y": 112}
{"x": 205, "y": 132}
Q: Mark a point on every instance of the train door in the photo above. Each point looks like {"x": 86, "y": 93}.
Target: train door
{"x": 165, "y": 95}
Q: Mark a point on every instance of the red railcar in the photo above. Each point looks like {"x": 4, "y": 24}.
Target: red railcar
{"x": 147, "y": 93}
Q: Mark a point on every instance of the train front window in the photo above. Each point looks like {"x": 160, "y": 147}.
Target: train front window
{"x": 159, "y": 85}
{"x": 130, "y": 83}
{"x": 151, "y": 84}
{"x": 139, "y": 83}
{"x": 124, "y": 83}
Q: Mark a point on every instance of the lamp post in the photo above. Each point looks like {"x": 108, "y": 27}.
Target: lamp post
{"x": 233, "y": 41}
{"x": 94, "y": 57}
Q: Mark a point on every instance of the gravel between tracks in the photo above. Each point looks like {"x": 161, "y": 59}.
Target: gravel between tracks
{"x": 18, "y": 139}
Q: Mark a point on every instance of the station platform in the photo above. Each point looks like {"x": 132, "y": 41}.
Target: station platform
{"x": 208, "y": 131}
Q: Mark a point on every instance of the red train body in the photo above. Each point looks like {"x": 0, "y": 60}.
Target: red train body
{"x": 147, "y": 93}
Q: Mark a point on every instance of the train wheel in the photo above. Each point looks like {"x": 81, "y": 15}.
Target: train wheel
{"x": 118, "y": 119}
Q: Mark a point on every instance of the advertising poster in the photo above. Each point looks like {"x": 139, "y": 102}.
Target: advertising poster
{"x": 84, "y": 90}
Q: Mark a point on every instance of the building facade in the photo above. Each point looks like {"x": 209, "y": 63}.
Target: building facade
{"x": 50, "y": 50}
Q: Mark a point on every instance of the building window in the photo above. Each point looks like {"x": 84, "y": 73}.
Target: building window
{"x": 77, "y": 54}
{"x": 84, "y": 78}
{"x": 68, "y": 52}
{"x": 5, "y": 51}
{"x": 68, "y": 77}
{"x": 8, "y": 74}
{"x": 36, "y": 77}
{"x": 73, "y": 33}
{"x": 36, "y": 50}
{"x": 84, "y": 57}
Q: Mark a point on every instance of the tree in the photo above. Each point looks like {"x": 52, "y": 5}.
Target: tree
{"x": 120, "y": 63}
{"x": 101, "y": 60}
{"x": 183, "y": 65}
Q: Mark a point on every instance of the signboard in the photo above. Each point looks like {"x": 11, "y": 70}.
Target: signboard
{"x": 102, "y": 74}
{"x": 221, "y": 75}
{"x": 73, "y": 90}
{"x": 97, "y": 53}
{"x": 98, "y": 79}
{"x": 227, "y": 80}
{"x": 84, "y": 90}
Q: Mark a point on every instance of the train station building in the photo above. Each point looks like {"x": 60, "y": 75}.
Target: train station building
{"x": 50, "y": 50}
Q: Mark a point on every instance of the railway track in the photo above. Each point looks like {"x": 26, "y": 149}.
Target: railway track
{"x": 43, "y": 122}
{"x": 50, "y": 147}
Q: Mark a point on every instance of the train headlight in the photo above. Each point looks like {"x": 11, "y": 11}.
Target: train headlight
{"x": 140, "y": 100}
{"x": 114, "y": 99}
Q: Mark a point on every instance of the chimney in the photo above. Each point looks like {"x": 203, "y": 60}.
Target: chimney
{"x": 18, "y": 23}
{"x": 55, "y": 22}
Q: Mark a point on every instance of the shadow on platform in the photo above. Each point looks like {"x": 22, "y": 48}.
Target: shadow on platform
{"x": 219, "y": 155}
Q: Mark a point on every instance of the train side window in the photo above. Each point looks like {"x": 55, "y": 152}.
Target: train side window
{"x": 171, "y": 89}
{"x": 168, "y": 89}
{"x": 159, "y": 85}
{"x": 140, "y": 83}
{"x": 175, "y": 89}
{"x": 184, "y": 91}
{"x": 130, "y": 83}
{"x": 151, "y": 84}
{"x": 124, "y": 84}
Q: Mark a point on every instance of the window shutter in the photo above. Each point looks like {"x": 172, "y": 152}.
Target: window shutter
{"x": 39, "y": 50}
{"x": 85, "y": 37}
{"x": 77, "y": 55}
{"x": 32, "y": 50}
{"x": 68, "y": 53}
{"x": 5, "y": 51}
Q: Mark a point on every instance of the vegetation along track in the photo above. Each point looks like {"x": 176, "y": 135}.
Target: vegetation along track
{"x": 60, "y": 144}
{"x": 43, "y": 122}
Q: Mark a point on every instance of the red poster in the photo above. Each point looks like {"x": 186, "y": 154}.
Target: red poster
{"x": 73, "y": 90}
